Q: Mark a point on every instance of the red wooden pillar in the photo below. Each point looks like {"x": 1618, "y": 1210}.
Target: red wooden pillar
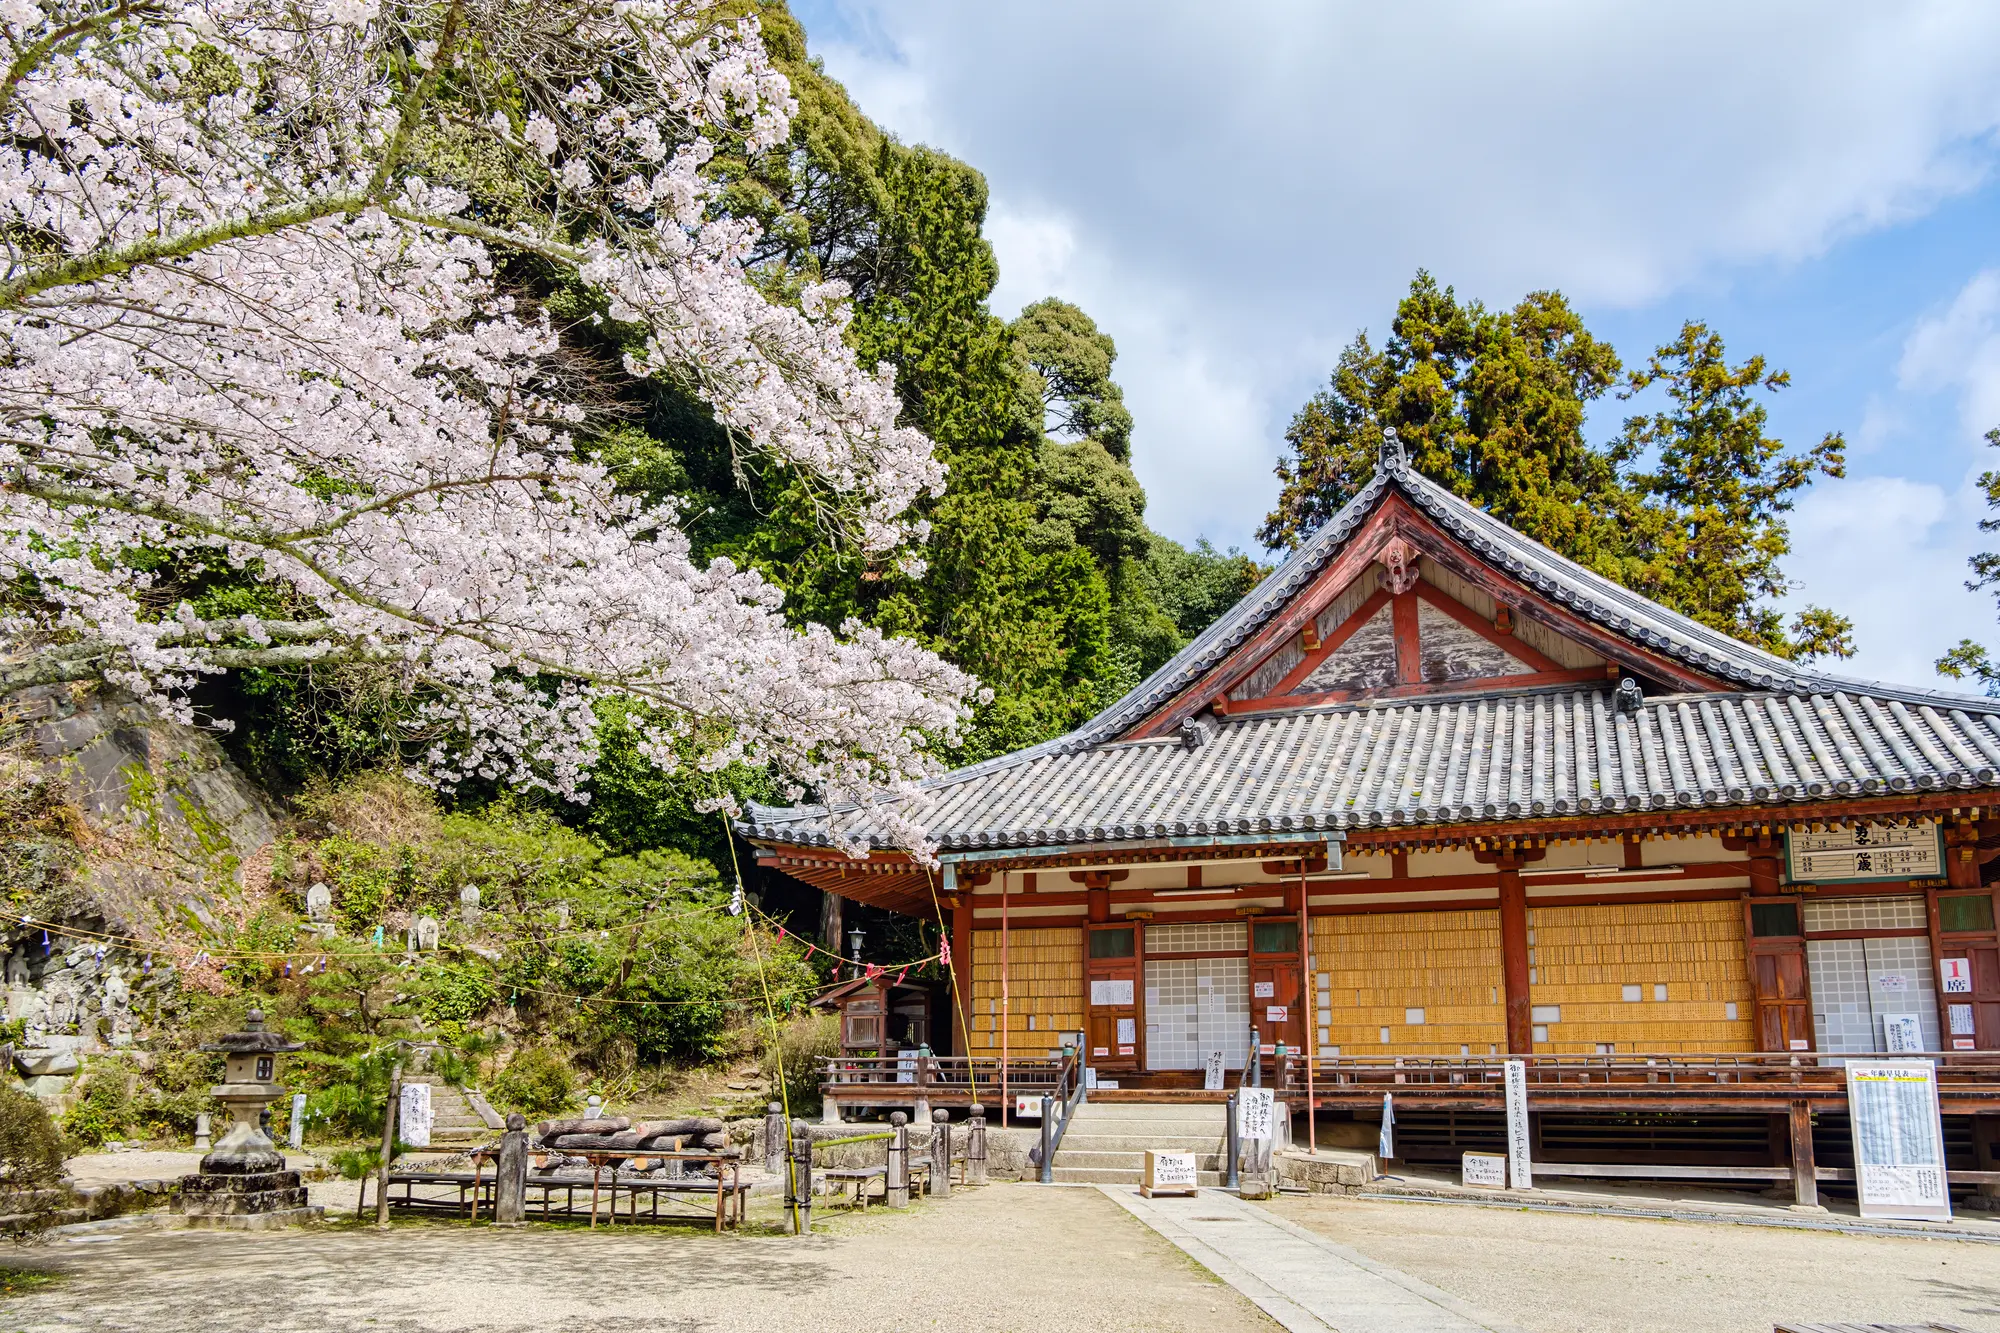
{"x": 1514, "y": 970}
{"x": 1514, "y": 959}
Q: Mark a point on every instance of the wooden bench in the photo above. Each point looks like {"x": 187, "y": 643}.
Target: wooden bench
{"x": 841, "y": 1177}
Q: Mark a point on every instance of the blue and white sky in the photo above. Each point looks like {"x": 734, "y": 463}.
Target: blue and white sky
{"x": 1233, "y": 191}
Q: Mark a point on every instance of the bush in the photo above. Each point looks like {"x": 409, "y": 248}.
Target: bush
{"x": 101, "y": 1114}
{"x": 799, "y": 1046}
{"x": 537, "y": 1082}
{"x": 31, "y": 1151}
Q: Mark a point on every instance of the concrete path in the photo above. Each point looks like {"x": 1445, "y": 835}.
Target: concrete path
{"x": 1305, "y": 1282}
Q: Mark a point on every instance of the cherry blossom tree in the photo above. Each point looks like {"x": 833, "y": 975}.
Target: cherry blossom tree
{"x": 238, "y": 318}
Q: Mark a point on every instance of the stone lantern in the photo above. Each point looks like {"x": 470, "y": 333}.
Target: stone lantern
{"x": 243, "y": 1182}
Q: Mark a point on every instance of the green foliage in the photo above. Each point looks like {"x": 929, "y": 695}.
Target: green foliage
{"x": 101, "y": 1113}
{"x": 792, "y": 1054}
{"x": 537, "y": 1082}
{"x": 1687, "y": 505}
{"x": 1969, "y": 658}
{"x": 31, "y": 1149}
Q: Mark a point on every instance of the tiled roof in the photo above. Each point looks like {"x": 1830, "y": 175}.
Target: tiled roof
{"x": 1793, "y": 733}
{"x": 1466, "y": 760}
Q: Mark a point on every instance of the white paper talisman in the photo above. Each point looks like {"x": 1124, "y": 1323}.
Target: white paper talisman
{"x": 1256, "y": 1109}
{"x": 1519, "y": 1169}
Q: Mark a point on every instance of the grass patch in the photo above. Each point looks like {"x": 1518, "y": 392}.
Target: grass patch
{"x": 24, "y": 1281}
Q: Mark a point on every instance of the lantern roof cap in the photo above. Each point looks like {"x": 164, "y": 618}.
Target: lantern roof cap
{"x": 254, "y": 1039}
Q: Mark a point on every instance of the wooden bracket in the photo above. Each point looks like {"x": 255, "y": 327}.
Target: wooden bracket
{"x": 1099, "y": 879}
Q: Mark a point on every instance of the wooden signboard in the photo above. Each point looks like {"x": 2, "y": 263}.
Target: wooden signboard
{"x": 1483, "y": 1171}
{"x": 1168, "y": 1173}
{"x": 1898, "y": 1140}
{"x": 1863, "y": 853}
{"x": 1519, "y": 1168}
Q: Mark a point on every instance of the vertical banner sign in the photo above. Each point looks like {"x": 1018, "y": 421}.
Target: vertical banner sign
{"x": 1385, "y": 1142}
{"x": 1211, "y": 1072}
{"x": 414, "y": 1124}
{"x": 298, "y": 1135}
{"x": 1519, "y": 1169}
{"x": 1898, "y": 1140}
{"x": 1256, "y": 1108}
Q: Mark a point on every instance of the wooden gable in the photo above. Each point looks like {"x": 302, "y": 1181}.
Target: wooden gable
{"x": 1406, "y": 609}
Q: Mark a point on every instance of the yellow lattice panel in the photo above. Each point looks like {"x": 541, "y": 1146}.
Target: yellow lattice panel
{"x": 1381, "y": 966}
{"x": 1604, "y": 968}
{"x": 1045, "y": 988}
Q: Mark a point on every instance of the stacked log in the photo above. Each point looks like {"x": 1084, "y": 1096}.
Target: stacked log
{"x": 618, "y": 1134}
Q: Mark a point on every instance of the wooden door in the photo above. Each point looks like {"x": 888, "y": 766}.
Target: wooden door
{"x": 1985, "y": 996}
{"x": 1277, "y": 984}
{"x": 1111, "y": 1012}
{"x": 1775, "y": 939}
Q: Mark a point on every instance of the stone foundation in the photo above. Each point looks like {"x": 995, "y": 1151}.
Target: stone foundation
{"x": 1329, "y": 1171}
{"x": 249, "y": 1201}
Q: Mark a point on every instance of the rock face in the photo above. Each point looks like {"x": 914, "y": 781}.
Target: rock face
{"x": 171, "y": 824}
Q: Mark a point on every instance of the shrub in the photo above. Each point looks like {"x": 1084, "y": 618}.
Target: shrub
{"x": 101, "y": 1114}
{"x": 31, "y": 1151}
{"x": 536, "y": 1082}
{"x": 799, "y": 1046}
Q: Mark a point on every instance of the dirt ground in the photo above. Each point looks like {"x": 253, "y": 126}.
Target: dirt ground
{"x": 1006, "y": 1258}
{"x": 1557, "y": 1273}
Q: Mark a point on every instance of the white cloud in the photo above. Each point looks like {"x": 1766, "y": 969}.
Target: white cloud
{"x": 1958, "y": 349}
{"x": 1891, "y": 554}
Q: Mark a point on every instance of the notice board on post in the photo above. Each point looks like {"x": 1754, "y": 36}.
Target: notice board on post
{"x": 1898, "y": 1139}
{"x": 1520, "y": 1170}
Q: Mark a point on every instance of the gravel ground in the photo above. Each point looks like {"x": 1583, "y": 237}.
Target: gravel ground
{"x": 1007, "y": 1257}
{"x": 1558, "y": 1273}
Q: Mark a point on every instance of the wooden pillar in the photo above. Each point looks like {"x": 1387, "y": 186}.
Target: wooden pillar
{"x": 961, "y": 970}
{"x": 1961, "y": 854}
{"x": 1006, "y": 997}
{"x": 1986, "y": 1155}
{"x": 1805, "y": 1180}
{"x": 831, "y": 923}
{"x": 1514, "y": 959}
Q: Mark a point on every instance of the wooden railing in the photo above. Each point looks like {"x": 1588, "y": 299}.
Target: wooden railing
{"x": 1767, "y": 1068}
{"x": 945, "y": 1078}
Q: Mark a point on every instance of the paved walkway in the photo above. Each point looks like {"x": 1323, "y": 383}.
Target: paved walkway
{"x": 1307, "y": 1283}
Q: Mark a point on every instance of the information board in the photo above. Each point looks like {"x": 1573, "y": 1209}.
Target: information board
{"x": 1114, "y": 992}
{"x": 1483, "y": 1171}
{"x": 1898, "y": 1139}
{"x": 1211, "y": 1072}
{"x": 1168, "y": 1173}
{"x": 1519, "y": 1168}
{"x": 413, "y": 1115}
{"x": 1256, "y": 1109}
{"x": 1865, "y": 852}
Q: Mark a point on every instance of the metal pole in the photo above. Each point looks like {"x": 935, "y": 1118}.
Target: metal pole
{"x": 389, "y": 1117}
{"x": 1235, "y": 1149}
{"x": 1048, "y": 1174}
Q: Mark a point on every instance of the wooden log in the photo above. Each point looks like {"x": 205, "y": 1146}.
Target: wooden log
{"x": 653, "y": 1129}
{"x": 595, "y": 1125}
{"x": 390, "y": 1114}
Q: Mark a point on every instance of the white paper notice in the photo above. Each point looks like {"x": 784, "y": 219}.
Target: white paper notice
{"x": 1128, "y": 1031}
{"x": 1256, "y": 1108}
{"x": 1519, "y": 1169}
{"x": 1898, "y": 1140}
{"x": 1901, "y": 1032}
{"x": 1955, "y": 975}
{"x": 1480, "y": 1171}
{"x": 1115, "y": 992}
{"x": 1961, "y": 1019}
{"x": 413, "y": 1121}
{"x": 1264, "y": 990}
{"x": 1211, "y": 1072}
{"x": 1893, "y": 981}
{"x": 1169, "y": 1173}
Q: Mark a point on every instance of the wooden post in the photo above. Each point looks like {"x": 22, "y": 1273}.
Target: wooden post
{"x": 1311, "y": 1001}
{"x": 389, "y": 1117}
{"x": 596, "y": 1169}
{"x": 896, "y": 1185}
{"x": 975, "y": 1146}
{"x": 1514, "y": 958}
{"x": 774, "y": 1138}
{"x": 941, "y": 1153}
{"x": 1006, "y": 1008}
{"x": 1805, "y": 1180}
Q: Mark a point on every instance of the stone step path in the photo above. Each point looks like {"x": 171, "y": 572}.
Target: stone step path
{"x": 1106, "y": 1143}
{"x": 1306, "y": 1282}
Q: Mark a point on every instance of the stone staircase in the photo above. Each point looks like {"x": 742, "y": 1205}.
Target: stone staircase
{"x": 1107, "y": 1142}
{"x": 456, "y": 1120}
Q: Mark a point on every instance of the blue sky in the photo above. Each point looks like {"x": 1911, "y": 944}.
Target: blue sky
{"x": 1233, "y": 192}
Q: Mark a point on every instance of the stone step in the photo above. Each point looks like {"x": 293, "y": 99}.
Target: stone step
{"x": 1125, "y": 1161}
{"x": 1138, "y": 1143}
{"x": 1072, "y": 1175}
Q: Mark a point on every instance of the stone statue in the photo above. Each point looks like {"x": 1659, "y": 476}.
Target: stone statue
{"x": 118, "y": 1007}
{"x": 65, "y": 1009}
{"x": 319, "y": 902}
{"x": 427, "y": 932}
{"x": 468, "y": 905}
{"x": 17, "y": 965}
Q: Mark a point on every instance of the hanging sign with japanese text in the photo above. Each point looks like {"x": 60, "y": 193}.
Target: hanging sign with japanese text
{"x": 1898, "y": 1140}
{"x": 1256, "y": 1109}
{"x": 1865, "y": 852}
{"x": 1519, "y": 1169}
